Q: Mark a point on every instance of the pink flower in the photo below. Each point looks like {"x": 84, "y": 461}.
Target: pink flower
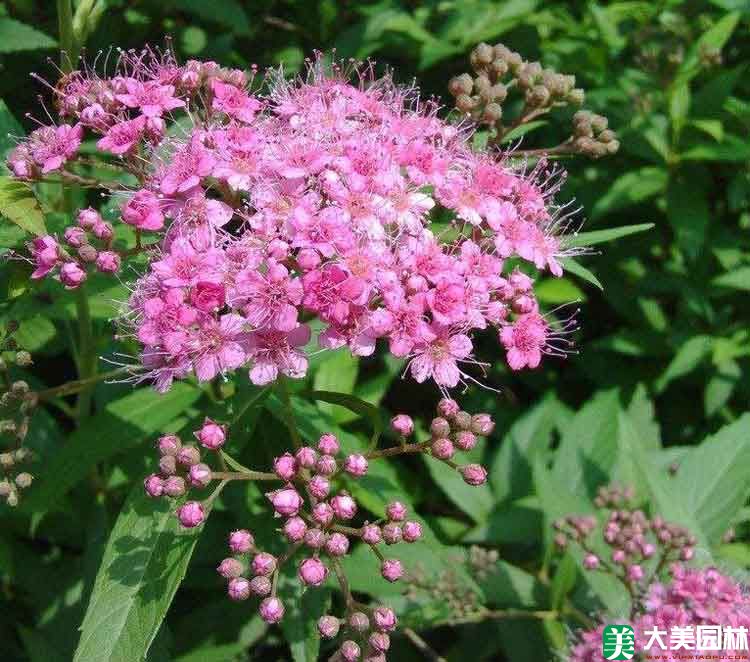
{"x": 45, "y": 252}
{"x": 51, "y": 147}
{"x": 184, "y": 265}
{"x": 439, "y": 358}
{"x": 275, "y": 351}
{"x": 143, "y": 211}
{"x": 524, "y": 341}
{"x": 151, "y": 98}
{"x": 123, "y": 137}
{"x": 188, "y": 166}
{"x": 217, "y": 346}
{"x": 234, "y": 102}
{"x": 269, "y": 299}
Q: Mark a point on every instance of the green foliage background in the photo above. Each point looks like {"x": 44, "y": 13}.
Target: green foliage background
{"x": 654, "y": 398}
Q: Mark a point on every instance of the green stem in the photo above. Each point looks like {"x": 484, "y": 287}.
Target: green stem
{"x": 67, "y": 37}
{"x": 243, "y": 475}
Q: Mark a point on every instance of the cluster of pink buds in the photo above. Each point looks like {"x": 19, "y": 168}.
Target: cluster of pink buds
{"x": 632, "y": 537}
{"x": 316, "y": 200}
{"x": 181, "y": 469}
{"x": 87, "y": 244}
{"x": 366, "y": 630}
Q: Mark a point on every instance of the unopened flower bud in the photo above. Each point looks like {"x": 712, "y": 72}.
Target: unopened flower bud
{"x": 474, "y": 474}
{"x": 88, "y": 218}
{"x": 355, "y": 465}
{"x": 271, "y": 610}
{"x": 187, "y": 456}
{"x": 306, "y": 457}
{"x": 380, "y": 641}
{"x": 440, "y": 428}
{"x": 5, "y": 488}
{"x": 618, "y": 556}
{"x": 392, "y": 533}
{"x": 395, "y": 511}
{"x": 241, "y": 541}
{"x": 492, "y": 112}
{"x": 462, "y": 420}
{"x": 168, "y": 444}
{"x": 103, "y": 231}
{"x": 71, "y": 275}
{"x": 371, "y": 534}
{"x": 328, "y": 626}
{"x": 230, "y": 568}
{"x": 465, "y": 103}
{"x": 285, "y": 466}
{"x": 191, "y": 514}
{"x": 6, "y": 460}
{"x": 263, "y": 564}
{"x": 286, "y": 502}
{"x": 154, "y": 485}
{"x": 174, "y": 486}
{"x": 465, "y": 440}
{"x": 350, "y": 651}
{"x": 591, "y": 562}
{"x": 323, "y": 513}
{"x": 482, "y": 424}
{"x": 294, "y": 529}
{"x": 315, "y": 538}
{"x": 326, "y": 465}
{"x": 483, "y": 53}
{"x": 359, "y": 621}
{"x": 344, "y": 507}
{"x": 443, "y": 449}
{"x": 108, "y": 262}
{"x": 337, "y": 544}
{"x": 412, "y": 531}
{"x": 168, "y": 465}
{"x": 403, "y": 425}
{"x": 385, "y": 619}
{"x": 199, "y": 475}
{"x": 211, "y": 435}
{"x": 391, "y": 570}
{"x": 312, "y": 572}
{"x": 328, "y": 444}
{"x": 319, "y": 486}
{"x": 23, "y": 480}
{"x": 260, "y": 585}
{"x": 635, "y": 573}
{"x": 238, "y": 589}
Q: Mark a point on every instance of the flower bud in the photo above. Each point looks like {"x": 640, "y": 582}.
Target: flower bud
{"x": 465, "y": 440}
{"x": 230, "y": 568}
{"x": 344, "y": 507}
{"x": 75, "y": 236}
{"x": 635, "y": 573}
{"x": 462, "y": 420}
{"x": 392, "y": 533}
{"x": 191, "y": 514}
{"x": 325, "y": 465}
{"x": 591, "y": 562}
{"x": 482, "y": 424}
{"x": 88, "y": 218}
{"x": 211, "y": 435}
{"x": 294, "y": 529}
{"x": 319, "y": 486}
{"x": 443, "y": 449}
{"x": 323, "y": 513}
{"x": 286, "y": 502}
{"x": 337, "y": 544}
{"x": 71, "y": 275}
{"x": 395, "y": 511}
{"x": 474, "y": 474}
{"x": 241, "y": 541}
{"x": 440, "y": 428}
{"x": 5, "y": 488}
{"x": 385, "y": 619}
{"x": 168, "y": 465}
{"x": 459, "y": 85}
{"x": 328, "y": 626}
{"x": 174, "y": 486}
{"x": 618, "y": 556}
{"x": 23, "y": 359}
{"x": 492, "y": 112}
{"x": 260, "y": 585}
{"x": 263, "y": 563}
{"x": 103, "y": 231}
{"x": 271, "y": 610}
{"x": 448, "y": 408}
{"x": 238, "y": 589}
{"x": 199, "y": 475}
{"x": 412, "y": 531}
{"x": 168, "y": 444}
{"x": 403, "y": 425}
{"x": 371, "y": 534}
{"x": 355, "y": 465}
{"x": 359, "y": 622}
{"x": 306, "y": 457}
{"x": 315, "y": 538}
{"x": 350, "y": 651}
{"x": 153, "y": 485}
{"x": 380, "y": 641}
{"x": 686, "y": 554}
{"x": 328, "y": 444}
{"x": 391, "y": 570}
{"x": 483, "y": 53}
{"x": 108, "y": 262}
{"x": 308, "y": 259}
{"x": 312, "y": 572}
{"x": 187, "y": 456}
{"x": 285, "y": 466}
{"x": 648, "y": 550}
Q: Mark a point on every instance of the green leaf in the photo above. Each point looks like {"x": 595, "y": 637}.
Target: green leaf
{"x": 123, "y": 423}
{"x": 730, "y": 149}
{"x": 357, "y": 405}
{"x": 144, "y": 563}
{"x": 687, "y": 359}
{"x": 9, "y": 128}
{"x": 679, "y": 104}
{"x": 564, "y": 580}
{"x": 19, "y": 205}
{"x": 630, "y": 189}
{"x": 17, "y": 36}
{"x": 228, "y": 13}
{"x": 687, "y": 210}
{"x": 554, "y": 291}
{"x": 303, "y": 609}
{"x": 602, "y": 236}
{"x": 569, "y": 264}
{"x": 712, "y": 479}
{"x": 721, "y": 386}
{"x": 737, "y": 279}
{"x": 506, "y": 585}
{"x": 337, "y": 373}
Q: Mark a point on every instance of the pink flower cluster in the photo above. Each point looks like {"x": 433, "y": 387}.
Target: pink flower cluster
{"x": 690, "y": 597}
{"x": 351, "y": 203}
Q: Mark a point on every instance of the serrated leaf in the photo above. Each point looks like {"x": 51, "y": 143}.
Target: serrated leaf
{"x": 19, "y": 205}
{"x": 123, "y": 423}
{"x": 602, "y": 236}
{"x": 145, "y": 561}
{"x": 17, "y": 36}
